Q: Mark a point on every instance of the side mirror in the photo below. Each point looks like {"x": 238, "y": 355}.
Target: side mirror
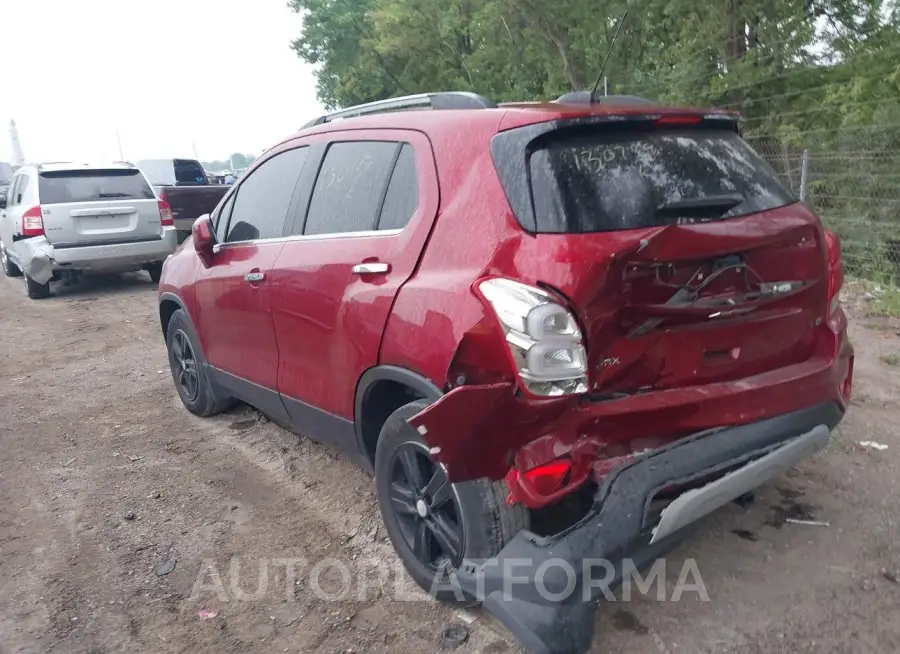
{"x": 203, "y": 237}
{"x": 2, "y": 201}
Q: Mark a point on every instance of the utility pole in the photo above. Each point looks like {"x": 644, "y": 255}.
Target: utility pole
{"x": 605, "y": 88}
{"x": 194, "y": 146}
{"x": 18, "y": 157}
{"x": 119, "y": 142}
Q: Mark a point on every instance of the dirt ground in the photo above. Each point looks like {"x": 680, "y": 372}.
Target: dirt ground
{"x": 106, "y": 482}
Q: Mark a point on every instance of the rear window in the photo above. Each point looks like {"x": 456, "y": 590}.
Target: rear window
{"x": 188, "y": 171}
{"x": 607, "y": 182}
{"x": 57, "y": 187}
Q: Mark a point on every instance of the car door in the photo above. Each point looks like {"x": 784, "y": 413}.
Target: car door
{"x": 372, "y": 205}
{"x": 232, "y": 292}
{"x": 11, "y": 216}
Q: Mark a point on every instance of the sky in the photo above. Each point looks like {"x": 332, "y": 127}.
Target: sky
{"x": 167, "y": 76}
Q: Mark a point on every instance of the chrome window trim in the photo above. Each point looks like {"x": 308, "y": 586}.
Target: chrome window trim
{"x": 311, "y": 237}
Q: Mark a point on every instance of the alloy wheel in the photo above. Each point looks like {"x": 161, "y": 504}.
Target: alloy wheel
{"x": 426, "y": 508}
{"x": 185, "y": 366}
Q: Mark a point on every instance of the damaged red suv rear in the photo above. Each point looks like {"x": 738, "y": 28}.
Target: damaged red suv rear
{"x": 569, "y": 331}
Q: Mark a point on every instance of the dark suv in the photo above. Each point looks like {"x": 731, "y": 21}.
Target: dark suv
{"x": 554, "y": 332}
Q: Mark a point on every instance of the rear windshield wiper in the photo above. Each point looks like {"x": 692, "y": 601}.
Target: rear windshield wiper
{"x": 115, "y": 195}
{"x": 711, "y": 206}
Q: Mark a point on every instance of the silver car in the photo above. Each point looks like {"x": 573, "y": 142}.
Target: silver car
{"x": 59, "y": 220}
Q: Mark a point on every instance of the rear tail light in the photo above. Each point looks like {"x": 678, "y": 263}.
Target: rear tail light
{"x": 542, "y": 337}
{"x": 163, "y": 196}
{"x": 165, "y": 214}
{"x": 33, "y": 222}
{"x": 835, "y": 270}
{"x": 678, "y": 120}
{"x": 536, "y": 486}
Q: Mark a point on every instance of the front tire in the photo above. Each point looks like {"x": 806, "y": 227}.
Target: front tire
{"x": 36, "y": 291}
{"x": 189, "y": 373}
{"x": 9, "y": 268}
{"x": 435, "y": 525}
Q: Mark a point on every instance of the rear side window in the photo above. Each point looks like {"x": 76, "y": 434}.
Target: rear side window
{"x": 350, "y": 183}
{"x": 188, "y": 171}
{"x": 62, "y": 186}
{"x": 402, "y": 195}
{"x": 606, "y": 182}
{"x": 17, "y": 190}
{"x": 263, "y": 198}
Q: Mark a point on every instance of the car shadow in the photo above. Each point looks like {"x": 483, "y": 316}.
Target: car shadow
{"x": 91, "y": 286}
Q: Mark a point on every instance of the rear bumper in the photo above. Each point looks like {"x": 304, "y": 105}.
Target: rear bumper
{"x": 114, "y": 256}
{"x": 529, "y": 585}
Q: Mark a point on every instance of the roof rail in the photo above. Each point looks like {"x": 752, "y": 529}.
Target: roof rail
{"x": 584, "y": 97}
{"x": 442, "y": 100}
{"x": 51, "y": 163}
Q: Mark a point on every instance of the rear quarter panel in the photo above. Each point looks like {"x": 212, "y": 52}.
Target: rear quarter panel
{"x": 438, "y": 327}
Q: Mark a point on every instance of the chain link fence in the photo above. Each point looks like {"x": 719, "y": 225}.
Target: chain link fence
{"x": 853, "y": 183}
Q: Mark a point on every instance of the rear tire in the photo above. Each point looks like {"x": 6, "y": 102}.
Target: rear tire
{"x": 477, "y": 509}
{"x": 9, "y": 268}
{"x": 189, "y": 371}
{"x": 36, "y": 291}
{"x": 155, "y": 270}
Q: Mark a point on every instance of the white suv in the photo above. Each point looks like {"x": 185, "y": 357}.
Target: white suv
{"x": 61, "y": 219}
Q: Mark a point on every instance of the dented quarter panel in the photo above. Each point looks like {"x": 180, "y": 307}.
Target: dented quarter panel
{"x": 33, "y": 255}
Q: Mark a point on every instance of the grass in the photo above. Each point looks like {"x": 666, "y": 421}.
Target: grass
{"x": 882, "y": 300}
{"x": 888, "y": 303}
{"x": 891, "y": 358}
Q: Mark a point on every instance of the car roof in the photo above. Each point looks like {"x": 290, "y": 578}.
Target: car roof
{"x": 507, "y": 115}
{"x": 62, "y": 166}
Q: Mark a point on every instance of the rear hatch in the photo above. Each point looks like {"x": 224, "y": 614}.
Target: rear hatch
{"x": 686, "y": 259}
{"x": 93, "y": 206}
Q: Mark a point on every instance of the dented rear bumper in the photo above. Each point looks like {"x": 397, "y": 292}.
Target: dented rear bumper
{"x": 528, "y": 585}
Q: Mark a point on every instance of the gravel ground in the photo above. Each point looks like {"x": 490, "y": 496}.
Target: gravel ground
{"x": 106, "y": 483}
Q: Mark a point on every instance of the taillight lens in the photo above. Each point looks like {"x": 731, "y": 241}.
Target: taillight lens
{"x": 835, "y": 270}
{"x": 32, "y": 222}
{"x": 678, "y": 120}
{"x": 542, "y": 336}
{"x": 165, "y": 214}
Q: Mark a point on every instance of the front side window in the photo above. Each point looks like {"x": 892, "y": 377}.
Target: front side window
{"x": 262, "y": 200}
{"x": 349, "y": 186}
{"x": 221, "y": 218}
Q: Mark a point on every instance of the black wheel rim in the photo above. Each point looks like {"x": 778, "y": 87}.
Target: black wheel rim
{"x": 426, "y": 508}
{"x": 184, "y": 366}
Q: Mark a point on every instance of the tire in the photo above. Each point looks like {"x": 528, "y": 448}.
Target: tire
{"x": 9, "y": 268}
{"x": 36, "y": 291}
{"x": 486, "y": 522}
{"x": 155, "y": 270}
{"x": 202, "y": 399}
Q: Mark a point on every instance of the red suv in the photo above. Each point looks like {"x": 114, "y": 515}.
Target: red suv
{"x": 555, "y": 332}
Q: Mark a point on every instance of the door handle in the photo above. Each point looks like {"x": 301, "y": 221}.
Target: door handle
{"x": 371, "y": 268}
{"x": 255, "y": 277}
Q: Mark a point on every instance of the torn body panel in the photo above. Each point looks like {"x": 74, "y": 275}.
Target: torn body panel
{"x": 33, "y": 256}
{"x": 487, "y": 430}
